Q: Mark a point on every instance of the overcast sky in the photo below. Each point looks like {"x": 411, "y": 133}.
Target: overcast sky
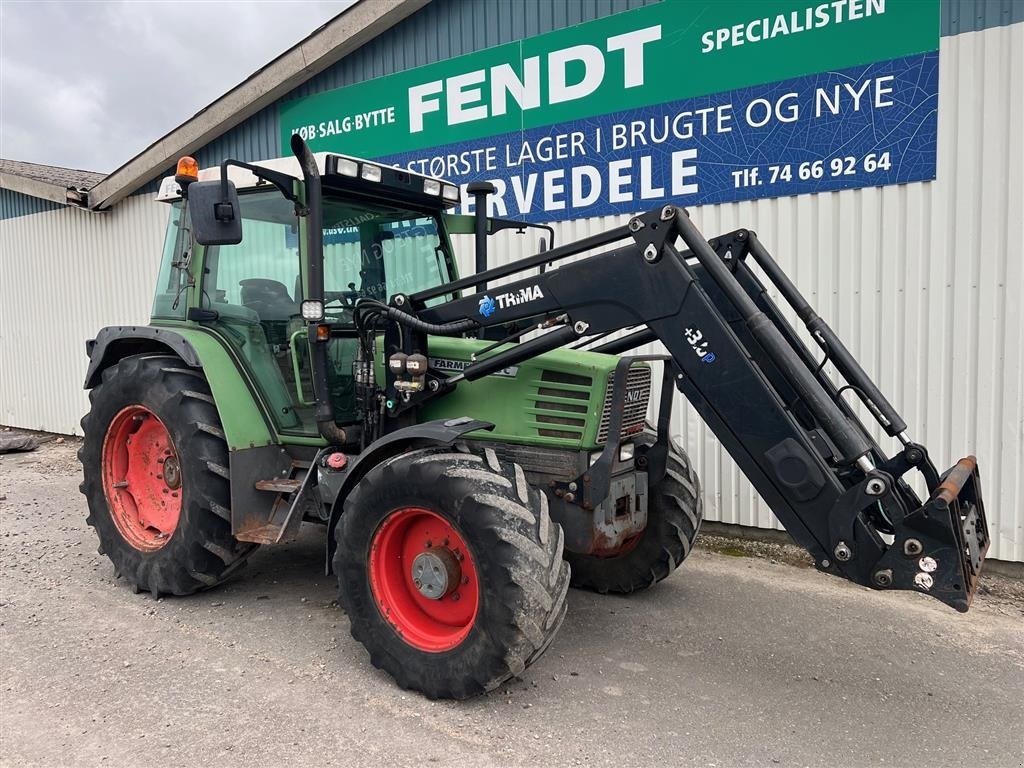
{"x": 90, "y": 84}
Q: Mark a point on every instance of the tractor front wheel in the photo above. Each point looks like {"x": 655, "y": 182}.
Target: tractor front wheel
{"x": 450, "y": 569}
{"x": 674, "y": 513}
{"x": 156, "y": 477}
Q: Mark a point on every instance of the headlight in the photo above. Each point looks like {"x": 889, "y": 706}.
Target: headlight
{"x": 312, "y": 310}
{"x": 626, "y": 452}
{"x": 371, "y": 172}
{"x": 432, "y": 186}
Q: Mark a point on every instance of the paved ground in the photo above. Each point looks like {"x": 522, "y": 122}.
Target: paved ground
{"x": 733, "y": 661}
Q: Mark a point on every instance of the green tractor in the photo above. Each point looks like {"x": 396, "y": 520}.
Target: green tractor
{"x": 313, "y": 356}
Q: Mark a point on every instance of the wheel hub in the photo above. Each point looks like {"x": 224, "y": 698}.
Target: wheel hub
{"x": 436, "y": 572}
{"x": 172, "y": 473}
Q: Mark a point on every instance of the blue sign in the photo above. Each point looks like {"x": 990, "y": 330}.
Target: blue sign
{"x": 870, "y": 125}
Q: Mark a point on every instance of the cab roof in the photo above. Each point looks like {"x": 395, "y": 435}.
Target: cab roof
{"x": 337, "y": 171}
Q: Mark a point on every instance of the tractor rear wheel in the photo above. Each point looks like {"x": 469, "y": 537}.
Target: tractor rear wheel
{"x": 156, "y": 477}
{"x": 450, "y": 569}
{"x": 674, "y": 513}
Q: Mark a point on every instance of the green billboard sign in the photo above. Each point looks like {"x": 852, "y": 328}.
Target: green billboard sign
{"x": 701, "y": 65}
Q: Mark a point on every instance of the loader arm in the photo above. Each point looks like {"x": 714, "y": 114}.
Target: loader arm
{"x": 749, "y": 376}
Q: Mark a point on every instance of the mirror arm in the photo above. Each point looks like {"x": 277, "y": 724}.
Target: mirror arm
{"x": 282, "y": 181}
{"x": 496, "y": 225}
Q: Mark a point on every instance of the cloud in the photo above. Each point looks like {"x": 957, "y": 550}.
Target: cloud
{"x": 90, "y": 85}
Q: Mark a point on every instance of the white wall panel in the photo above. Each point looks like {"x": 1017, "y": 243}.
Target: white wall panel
{"x": 65, "y": 274}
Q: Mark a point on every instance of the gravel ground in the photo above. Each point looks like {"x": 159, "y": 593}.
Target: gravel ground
{"x": 741, "y": 658}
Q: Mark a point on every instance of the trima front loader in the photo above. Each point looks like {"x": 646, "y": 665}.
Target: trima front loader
{"x": 314, "y": 357}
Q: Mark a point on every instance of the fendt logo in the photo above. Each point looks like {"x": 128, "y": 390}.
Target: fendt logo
{"x": 506, "y": 300}
{"x": 634, "y": 396}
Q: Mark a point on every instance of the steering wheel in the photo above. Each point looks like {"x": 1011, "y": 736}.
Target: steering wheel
{"x": 348, "y": 298}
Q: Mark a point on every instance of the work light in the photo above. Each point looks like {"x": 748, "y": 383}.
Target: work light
{"x": 432, "y": 186}
{"x": 451, "y": 192}
{"x": 371, "y": 172}
{"x": 348, "y": 167}
{"x": 312, "y": 310}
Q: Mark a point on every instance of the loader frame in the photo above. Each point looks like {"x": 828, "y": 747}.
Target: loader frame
{"x": 745, "y": 370}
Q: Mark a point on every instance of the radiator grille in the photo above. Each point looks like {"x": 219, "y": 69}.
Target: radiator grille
{"x": 638, "y": 394}
{"x": 562, "y": 403}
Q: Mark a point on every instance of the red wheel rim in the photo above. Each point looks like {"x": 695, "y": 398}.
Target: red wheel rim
{"x": 408, "y": 539}
{"x": 141, "y": 478}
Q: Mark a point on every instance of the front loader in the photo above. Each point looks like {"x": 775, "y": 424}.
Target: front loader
{"x": 472, "y": 445}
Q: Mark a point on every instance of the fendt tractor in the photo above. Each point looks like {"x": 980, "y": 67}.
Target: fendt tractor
{"x": 471, "y": 446}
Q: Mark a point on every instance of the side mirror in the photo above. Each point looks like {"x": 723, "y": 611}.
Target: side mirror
{"x": 216, "y": 220}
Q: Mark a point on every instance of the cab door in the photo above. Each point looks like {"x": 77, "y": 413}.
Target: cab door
{"x": 254, "y": 289}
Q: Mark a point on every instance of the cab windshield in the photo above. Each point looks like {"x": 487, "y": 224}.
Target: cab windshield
{"x": 377, "y": 251}
{"x": 370, "y": 251}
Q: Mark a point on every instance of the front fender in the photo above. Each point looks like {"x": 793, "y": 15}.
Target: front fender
{"x": 441, "y": 432}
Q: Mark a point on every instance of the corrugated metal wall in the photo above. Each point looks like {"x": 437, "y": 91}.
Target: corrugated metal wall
{"x": 65, "y": 274}
{"x": 16, "y": 204}
{"x": 923, "y": 282}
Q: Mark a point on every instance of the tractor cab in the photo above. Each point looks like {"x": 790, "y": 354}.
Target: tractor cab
{"x": 383, "y": 232}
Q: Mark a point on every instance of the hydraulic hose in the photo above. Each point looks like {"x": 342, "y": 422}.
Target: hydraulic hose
{"x": 444, "y": 329}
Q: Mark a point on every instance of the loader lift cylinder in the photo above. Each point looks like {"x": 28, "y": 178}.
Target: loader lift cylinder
{"x": 851, "y": 443}
{"x": 846, "y": 363}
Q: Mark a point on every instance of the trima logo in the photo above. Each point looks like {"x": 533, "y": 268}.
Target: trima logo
{"x": 487, "y": 306}
{"x": 511, "y": 299}
{"x": 523, "y": 295}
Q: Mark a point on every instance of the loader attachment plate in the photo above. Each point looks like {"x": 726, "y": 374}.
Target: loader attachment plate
{"x": 940, "y": 547}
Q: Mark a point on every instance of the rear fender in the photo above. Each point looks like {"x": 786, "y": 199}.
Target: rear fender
{"x": 116, "y": 342}
{"x": 243, "y": 417}
{"x": 442, "y": 432}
